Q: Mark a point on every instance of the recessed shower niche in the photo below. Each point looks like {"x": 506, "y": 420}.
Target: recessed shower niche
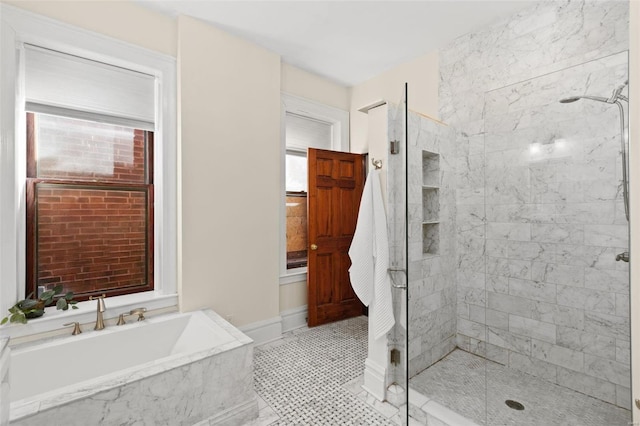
{"x": 430, "y": 203}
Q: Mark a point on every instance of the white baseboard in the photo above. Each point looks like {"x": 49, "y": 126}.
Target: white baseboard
{"x": 264, "y": 331}
{"x": 374, "y": 379}
{"x": 294, "y": 318}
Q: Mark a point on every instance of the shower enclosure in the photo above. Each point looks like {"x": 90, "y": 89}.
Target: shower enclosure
{"x": 517, "y": 225}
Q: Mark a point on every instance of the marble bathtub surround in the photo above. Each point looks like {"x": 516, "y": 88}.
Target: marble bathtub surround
{"x": 5, "y": 363}
{"x": 131, "y": 395}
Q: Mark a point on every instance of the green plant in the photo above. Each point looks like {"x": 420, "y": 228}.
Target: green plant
{"x": 34, "y": 308}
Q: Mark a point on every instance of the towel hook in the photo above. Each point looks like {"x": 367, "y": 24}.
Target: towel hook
{"x": 376, "y": 163}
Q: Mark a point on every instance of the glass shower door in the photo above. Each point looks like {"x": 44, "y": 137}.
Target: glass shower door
{"x": 398, "y": 246}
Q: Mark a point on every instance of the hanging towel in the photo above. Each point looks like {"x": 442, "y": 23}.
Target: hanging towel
{"x": 369, "y": 253}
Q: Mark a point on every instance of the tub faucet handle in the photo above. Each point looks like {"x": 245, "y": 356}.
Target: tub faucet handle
{"x": 140, "y": 312}
{"x": 76, "y": 327}
{"x": 121, "y": 320}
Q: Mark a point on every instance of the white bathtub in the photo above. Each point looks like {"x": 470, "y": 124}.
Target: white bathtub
{"x": 177, "y": 369}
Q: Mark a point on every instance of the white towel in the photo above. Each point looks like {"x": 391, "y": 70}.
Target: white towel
{"x": 369, "y": 253}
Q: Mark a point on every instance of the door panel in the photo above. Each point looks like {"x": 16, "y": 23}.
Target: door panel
{"x": 336, "y": 181}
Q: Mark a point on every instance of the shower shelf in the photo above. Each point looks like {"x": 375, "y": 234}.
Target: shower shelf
{"x": 430, "y": 203}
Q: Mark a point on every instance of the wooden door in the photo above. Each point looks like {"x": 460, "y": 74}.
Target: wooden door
{"x": 336, "y": 181}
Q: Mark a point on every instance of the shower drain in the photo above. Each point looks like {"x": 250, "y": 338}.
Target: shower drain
{"x": 514, "y": 404}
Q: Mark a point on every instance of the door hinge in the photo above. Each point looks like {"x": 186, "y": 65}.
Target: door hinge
{"x": 394, "y": 147}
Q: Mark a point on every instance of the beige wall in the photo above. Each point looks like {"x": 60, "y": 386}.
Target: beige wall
{"x": 423, "y": 77}
{"x": 634, "y": 184}
{"x": 311, "y": 86}
{"x": 229, "y": 92}
{"x": 229, "y": 111}
{"x": 119, "y": 19}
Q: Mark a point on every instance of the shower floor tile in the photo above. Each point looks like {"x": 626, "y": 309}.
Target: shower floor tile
{"x": 307, "y": 377}
{"x": 477, "y": 389}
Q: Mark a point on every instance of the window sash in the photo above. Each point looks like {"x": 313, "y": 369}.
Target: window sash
{"x": 32, "y": 231}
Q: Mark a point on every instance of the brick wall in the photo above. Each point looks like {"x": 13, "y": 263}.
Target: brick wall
{"x": 90, "y": 240}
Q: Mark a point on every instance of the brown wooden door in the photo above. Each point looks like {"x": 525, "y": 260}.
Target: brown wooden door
{"x": 336, "y": 181}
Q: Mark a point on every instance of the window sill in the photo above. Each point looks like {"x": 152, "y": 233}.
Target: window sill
{"x": 294, "y": 277}
{"x": 53, "y": 319}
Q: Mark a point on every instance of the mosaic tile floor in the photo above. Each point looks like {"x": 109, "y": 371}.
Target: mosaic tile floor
{"x": 308, "y": 378}
{"x": 458, "y": 382}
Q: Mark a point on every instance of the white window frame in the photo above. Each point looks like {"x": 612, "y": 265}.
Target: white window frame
{"x": 339, "y": 120}
{"x": 19, "y": 27}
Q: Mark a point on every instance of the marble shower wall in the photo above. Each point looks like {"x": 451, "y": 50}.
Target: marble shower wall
{"x": 431, "y": 234}
{"x": 539, "y": 216}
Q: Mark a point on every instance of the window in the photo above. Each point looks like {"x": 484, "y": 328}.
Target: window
{"x": 89, "y": 206}
{"x": 306, "y": 125}
{"x": 301, "y": 133}
{"x": 98, "y": 81}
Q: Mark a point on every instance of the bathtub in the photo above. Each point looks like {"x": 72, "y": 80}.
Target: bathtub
{"x": 176, "y": 369}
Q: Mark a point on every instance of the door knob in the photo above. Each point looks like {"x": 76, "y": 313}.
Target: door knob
{"x": 314, "y": 247}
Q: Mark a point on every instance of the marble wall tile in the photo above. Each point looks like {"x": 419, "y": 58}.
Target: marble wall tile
{"x": 587, "y": 299}
{"x": 558, "y": 274}
{"x": 533, "y": 366}
{"x": 607, "y": 369}
{"x": 472, "y": 329}
{"x": 507, "y": 340}
{"x": 588, "y": 343}
{"x": 509, "y": 231}
{"x": 497, "y": 319}
{"x": 509, "y": 304}
{"x": 606, "y": 280}
{"x": 557, "y": 233}
{"x": 587, "y": 384}
{"x": 606, "y": 235}
{"x": 558, "y": 315}
{"x": 532, "y": 290}
{"x": 623, "y": 351}
{"x": 557, "y": 355}
{"x": 606, "y": 325}
{"x": 623, "y": 397}
{"x": 508, "y": 267}
{"x": 497, "y": 284}
{"x": 532, "y": 328}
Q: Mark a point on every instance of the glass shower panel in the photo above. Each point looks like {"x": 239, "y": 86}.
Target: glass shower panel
{"x": 397, "y": 222}
{"x": 433, "y": 268}
{"x": 556, "y": 312}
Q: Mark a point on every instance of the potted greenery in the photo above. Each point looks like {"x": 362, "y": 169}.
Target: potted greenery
{"x": 34, "y": 308}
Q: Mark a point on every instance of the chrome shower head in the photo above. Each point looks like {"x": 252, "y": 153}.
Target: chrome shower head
{"x": 577, "y": 98}
{"x": 570, "y": 100}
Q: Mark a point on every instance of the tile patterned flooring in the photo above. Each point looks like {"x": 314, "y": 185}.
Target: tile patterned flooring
{"x": 458, "y": 382}
{"x": 313, "y": 376}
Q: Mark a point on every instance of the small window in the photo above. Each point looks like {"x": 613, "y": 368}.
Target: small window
{"x": 89, "y": 206}
{"x": 296, "y": 209}
{"x": 307, "y": 124}
{"x": 301, "y": 133}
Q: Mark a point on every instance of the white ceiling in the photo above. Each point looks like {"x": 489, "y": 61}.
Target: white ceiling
{"x": 345, "y": 41}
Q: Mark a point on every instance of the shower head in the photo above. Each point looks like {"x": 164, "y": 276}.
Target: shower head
{"x": 569, "y": 100}
{"x": 577, "y": 98}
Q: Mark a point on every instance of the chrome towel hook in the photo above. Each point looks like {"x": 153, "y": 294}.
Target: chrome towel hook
{"x": 376, "y": 163}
